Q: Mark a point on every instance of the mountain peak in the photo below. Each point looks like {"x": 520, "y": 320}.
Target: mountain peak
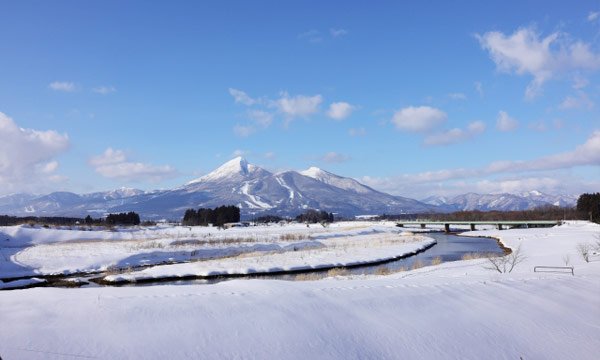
{"x": 314, "y": 172}
{"x": 236, "y": 166}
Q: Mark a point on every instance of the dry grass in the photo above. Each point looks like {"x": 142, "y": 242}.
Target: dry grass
{"x": 337, "y": 272}
{"x": 308, "y": 277}
{"x": 417, "y": 265}
{"x": 293, "y": 237}
{"x": 436, "y": 261}
{"x": 473, "y": 256}
{"x": 383, "y": 270}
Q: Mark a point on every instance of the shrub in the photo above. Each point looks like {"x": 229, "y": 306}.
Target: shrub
{"x": 507, "y": 263}
{"x": 584, "y": 250}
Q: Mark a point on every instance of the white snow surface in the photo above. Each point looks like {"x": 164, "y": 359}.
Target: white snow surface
{"x": 457, "y": 310}
{"x": 335, "y": 252}
{"x": 27, "y": 251}
{"x": 335, "y": 180}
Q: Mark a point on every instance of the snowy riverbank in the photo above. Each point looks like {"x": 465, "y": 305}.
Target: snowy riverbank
{"x": 454, "y": 310}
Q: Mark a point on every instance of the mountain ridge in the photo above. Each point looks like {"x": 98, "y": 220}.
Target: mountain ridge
{"x": 259, "y": 192}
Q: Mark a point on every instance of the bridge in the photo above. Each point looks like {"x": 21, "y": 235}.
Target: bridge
{"x": 472, "y": 224}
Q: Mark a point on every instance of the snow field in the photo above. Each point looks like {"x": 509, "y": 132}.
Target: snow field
{"x": 457, "y": 310}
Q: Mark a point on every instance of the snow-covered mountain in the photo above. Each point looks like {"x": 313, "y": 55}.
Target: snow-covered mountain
{"x": 259, "y": 192}
{"x": 502, "y": 202}
{"x": 255, "y": 190}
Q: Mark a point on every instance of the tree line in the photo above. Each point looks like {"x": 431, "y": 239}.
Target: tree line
{"x": 130, "y": 218}
{"x": 589, "y": 204}
{"x": 315, "y": 216}
{"x": 218, "y": 216}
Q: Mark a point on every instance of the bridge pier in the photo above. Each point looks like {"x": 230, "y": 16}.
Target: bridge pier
{"x": 422, "y": 226}
{"x": 499, "y": 226}
{"x": 472, "y": 227}
{"x": 447, "y": 227}
{"x": 400, "y": 225}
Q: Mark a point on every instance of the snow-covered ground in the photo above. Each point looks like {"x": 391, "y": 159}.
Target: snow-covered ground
{"x": 458, "y": 310}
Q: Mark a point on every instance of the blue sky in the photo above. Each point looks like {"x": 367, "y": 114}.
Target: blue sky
{"x": 412, "y": 98}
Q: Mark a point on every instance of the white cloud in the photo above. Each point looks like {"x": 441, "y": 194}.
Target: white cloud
{"x": 464, "y": 180}
{"x": 340, "y": 110}
{"x": 334, "y": 157}
{"x": 103, "y": 90}
{"x": 65, "y": 86}
{"x": 580, "y": 82}
{"x": 581, "y": 101}
{"x": 338, "y": 32}
{"x": 418, "y": 119}
{"x": 455, "y": 135}
{"x": 241, "y": 97}
{"x": 505, "y": 122}
{"x": 524, "y": 52}
{"x": 299, "y": 105}
{"x": 357, "y": 131}
{"x": 260, "y": 117}
{"x": 114, "y": 164}
{"x": 27, "y": 156}
{"x": 457, "y": 96}
{"x": 244, "y": 130}
{"x": 593, "y": 15}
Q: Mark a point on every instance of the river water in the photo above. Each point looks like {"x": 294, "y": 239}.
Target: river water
{"x": 449, "y": 247}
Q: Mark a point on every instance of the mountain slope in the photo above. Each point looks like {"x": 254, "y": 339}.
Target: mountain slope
{"x": 500, "y": 202}
{"x": 255, "y": 190}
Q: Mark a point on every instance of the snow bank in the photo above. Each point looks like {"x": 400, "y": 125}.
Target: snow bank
{"x": 363, "y": 249}
{"x": 27, "y": 251}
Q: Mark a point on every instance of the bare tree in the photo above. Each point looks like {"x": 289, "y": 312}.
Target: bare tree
{"x": 506, "y": 264}
{"x": 584, "y": 250}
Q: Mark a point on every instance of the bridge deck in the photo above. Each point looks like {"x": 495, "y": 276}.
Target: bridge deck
{"x": 473, "y": 224}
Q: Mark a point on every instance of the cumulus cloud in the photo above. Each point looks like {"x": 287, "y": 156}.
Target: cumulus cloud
{"x": 340, "y": 110}
{"x": 580, "y": 101}
{"x": 241, "y": 97}
{"x": 524, "y": 52}
{"x": 455, "y": 135}
{"x": 27, "y": 156}
{"x": 418, "y": 119}
{"x": 334, "y": 157}
{"x": 505, "y": 122}
{"x": 299, "y": 105}
{"x": 260, "y": 117}
{"x": 114, "y": 164}
{"x": 65, "y": 86}
{"x": 104, "y": 90}
{"x": 593, "y": 15}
